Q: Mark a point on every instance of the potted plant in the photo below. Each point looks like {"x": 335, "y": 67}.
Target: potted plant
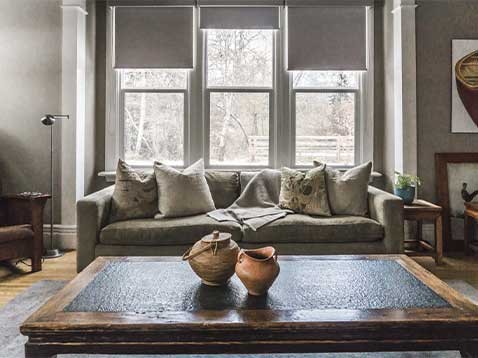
{"x": 405, "y": 185}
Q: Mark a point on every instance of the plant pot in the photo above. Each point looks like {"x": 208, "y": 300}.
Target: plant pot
{"x": 407, "y": 194}
{"x": 257, "y": 269}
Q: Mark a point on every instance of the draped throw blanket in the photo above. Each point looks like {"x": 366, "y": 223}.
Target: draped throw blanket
{"x": 258, "y": 203}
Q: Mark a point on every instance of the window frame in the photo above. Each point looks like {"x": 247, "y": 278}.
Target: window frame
{"x": 206, "y": 91}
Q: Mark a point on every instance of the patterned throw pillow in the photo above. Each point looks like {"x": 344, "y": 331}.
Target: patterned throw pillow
{"x": 135, "y": 195}
{"x": 183, "y": 193}
{"x": 304, "y": 192}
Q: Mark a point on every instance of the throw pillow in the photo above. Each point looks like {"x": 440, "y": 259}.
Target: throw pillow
{"x": 304, "y": 192}
{"x": 348, "y": 191}
{"x": 135, "y": 195}
{"x": 183, "y": 193}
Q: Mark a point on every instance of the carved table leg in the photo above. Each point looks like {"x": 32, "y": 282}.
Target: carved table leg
{"x": 32, "y": 351}
{"x": 469, "y": 351}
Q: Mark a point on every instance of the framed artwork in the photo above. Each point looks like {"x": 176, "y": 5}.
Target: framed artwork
{"x": 457, "y": 183}
{"x": 464, "y": 117}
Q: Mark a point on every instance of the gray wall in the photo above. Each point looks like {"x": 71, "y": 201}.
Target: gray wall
{"x": 438, "y": 22}
{"x": 30, "y": 69}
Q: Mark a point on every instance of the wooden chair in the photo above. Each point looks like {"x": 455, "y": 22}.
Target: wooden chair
{"x": 21, "y": 227}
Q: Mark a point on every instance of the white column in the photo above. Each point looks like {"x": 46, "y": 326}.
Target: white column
{"x": 405, "y": 86}
{"x": 73, "y": 78}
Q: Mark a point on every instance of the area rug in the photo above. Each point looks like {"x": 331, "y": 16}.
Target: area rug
{"x": 17, "y": 310}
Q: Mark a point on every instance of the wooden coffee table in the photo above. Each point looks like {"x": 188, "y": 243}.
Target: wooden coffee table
{"x": 156, "y": 305}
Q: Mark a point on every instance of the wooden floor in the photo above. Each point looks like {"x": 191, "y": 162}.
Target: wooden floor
{"x": 14, "y": 280}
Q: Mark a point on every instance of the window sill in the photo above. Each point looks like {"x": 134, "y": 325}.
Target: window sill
{"x": 110, "y": 176}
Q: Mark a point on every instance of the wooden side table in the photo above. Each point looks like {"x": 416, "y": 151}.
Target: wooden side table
{"x": 471, "y": 217}
{"x": 420, "y": 211}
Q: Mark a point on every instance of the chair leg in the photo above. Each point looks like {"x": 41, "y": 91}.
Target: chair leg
{"x": 36, "y": 263}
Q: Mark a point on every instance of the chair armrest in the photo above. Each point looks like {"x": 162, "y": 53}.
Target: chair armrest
{"x": 26, "y": 208}
{"x": 92, "y": 214}
{"x": 387, "y": 209}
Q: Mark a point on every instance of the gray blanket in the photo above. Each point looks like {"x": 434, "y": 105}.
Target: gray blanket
{"x": 258, "y": 203}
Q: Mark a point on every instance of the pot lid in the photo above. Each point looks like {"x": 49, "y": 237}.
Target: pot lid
{"x": 216, "y": 236}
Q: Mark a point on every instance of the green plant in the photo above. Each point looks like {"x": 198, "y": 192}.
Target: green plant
{"x": 403, "y": 181}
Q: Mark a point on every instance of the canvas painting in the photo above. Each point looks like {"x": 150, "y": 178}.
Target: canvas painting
{"x": 464, "y": 86}
{"x": 462, "y": 186}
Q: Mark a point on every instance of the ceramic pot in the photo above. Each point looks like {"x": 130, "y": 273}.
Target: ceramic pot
{"x": 257, "y": 269}
{"x": 213, "y": 258}
{"x": 407, "y": 194}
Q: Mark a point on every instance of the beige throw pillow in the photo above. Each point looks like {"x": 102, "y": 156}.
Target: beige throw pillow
{"x": 183, "y": 193}
{"x": 348, "y": 191}
{"x": 304, "y": 192}
{"x": 135, "y": 195}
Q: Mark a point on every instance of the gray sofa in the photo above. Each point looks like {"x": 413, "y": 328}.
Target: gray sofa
{"x": 380, "y": 233}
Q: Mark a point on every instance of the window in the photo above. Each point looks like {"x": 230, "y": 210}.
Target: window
{"x": 239, "y": 95}
{"x": 153, "y": 112}
{"x": 326, "y": 117}
{"x": 239, "y": 107}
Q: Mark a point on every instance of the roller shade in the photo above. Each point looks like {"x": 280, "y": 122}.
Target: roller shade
{"x": 239, "y": 17}
{"x": 151, "y": 2}
{"x": 153, "y": 37}
{"x": 332, "y": 2}
{"x": 262, "y": 3}
{"x": 327, "y": 38}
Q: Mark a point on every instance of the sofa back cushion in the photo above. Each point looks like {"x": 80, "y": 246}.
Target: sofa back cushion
{"x": 246, "y": 177}
{"x": 224, "y": 186}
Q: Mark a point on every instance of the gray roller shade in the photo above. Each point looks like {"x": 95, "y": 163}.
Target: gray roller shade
{"x": 153, "y": 37}
{"x": 327, "y": 38}
{"x": 253, "y": 17}
{"x": 241, "y": 2}
{"x": 332, "y": 2}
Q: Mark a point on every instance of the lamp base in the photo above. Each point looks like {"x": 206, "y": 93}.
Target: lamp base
{"x": 52, "y": 254}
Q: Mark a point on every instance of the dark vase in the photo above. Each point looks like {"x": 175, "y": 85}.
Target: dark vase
{"x": 407, "y": 194}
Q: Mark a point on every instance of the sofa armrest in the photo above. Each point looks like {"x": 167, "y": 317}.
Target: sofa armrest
{"x": 387, "y": 209}
{"x": 92, "y": 213}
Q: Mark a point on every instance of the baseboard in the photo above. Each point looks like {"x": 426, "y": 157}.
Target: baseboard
{"x": 64, "y": 236}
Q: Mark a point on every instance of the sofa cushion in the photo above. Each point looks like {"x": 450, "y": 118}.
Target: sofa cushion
{"x": 183, "y": 193}
{"x": 298, "y": 228}
{"x": 348, "y": 191}
{"x": 166, "y": 231}
{"x": 135, "y": 194}
{"x": 246, "y": 177}
{"x": 304, "y": 192}
{"x": 224, "y": 186}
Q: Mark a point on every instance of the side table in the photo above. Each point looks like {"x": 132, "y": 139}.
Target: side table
{"x": 419, "y": 211}
{"x": 471, "y": 217}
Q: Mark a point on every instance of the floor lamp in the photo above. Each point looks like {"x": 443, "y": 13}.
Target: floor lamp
{"x": 49, "y": 120}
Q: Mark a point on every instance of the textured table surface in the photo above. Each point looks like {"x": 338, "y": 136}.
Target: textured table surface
{"x": 145, "y": 287}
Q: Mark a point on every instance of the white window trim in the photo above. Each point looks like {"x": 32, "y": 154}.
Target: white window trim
{"x": 281, "y": 103}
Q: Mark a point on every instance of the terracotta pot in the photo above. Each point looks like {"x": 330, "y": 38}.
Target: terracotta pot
{"x": 213, "y": 258}
{"x": 257, "y": 269}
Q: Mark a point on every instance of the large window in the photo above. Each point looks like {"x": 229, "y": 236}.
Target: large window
{"x": 153, "y": 104}
{"x": 326, "y": 116}
{"x": 239, "y": 90}
{"x": 241, "y": 104}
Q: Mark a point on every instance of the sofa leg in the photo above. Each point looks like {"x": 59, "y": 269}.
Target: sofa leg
{"x": 36, "y": 263}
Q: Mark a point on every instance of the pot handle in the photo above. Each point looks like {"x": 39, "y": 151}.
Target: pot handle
{"x": 239, "y": 256}
{"x": 188, "y": 256}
